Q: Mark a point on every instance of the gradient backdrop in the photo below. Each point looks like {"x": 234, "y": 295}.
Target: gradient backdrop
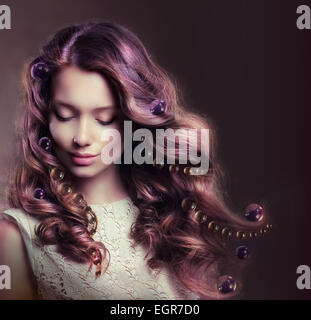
{"x": 245, "y": 65}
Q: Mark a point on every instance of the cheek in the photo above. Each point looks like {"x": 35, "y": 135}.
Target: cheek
{"x": 60, "y": 133}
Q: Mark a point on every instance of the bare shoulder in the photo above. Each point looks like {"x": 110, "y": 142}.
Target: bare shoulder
{"x": 13, "y": 254}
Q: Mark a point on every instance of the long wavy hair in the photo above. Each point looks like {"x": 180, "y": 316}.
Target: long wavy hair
{"x": 195, "y": 253}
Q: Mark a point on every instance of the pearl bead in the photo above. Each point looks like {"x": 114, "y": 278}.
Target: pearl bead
{"x": 227, "y": 285}
{"x": 200, "y": 216}
{"x": 188, "y": 204}
{"x": 216, "y": 228}
{"x": 158, "y": 107}
{"x": 240, "y": 234}
{"x": 211, "y": 225}
{"x": 66, "y": 189}
{"x": 79, "y": 199}
{"x": 57, "y": 174}
{"x": 242, "y": 252}
{"x": 254, "y": 212}
{"x": 45, "y": 143}
{"x": 40, "y": 71}
{"x": 39, "y": 193}
{"x": 173, "y": 168}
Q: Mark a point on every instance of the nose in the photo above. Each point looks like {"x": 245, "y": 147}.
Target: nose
{"x": 83, "y": 134}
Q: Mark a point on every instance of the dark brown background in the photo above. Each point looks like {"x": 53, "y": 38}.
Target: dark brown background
{"x": 243, "y": 63}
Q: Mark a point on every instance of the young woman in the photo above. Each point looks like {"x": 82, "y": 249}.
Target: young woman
{"x": 80, "y": 227}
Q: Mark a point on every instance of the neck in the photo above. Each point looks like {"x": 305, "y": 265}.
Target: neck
{"x": 105, "y": 187}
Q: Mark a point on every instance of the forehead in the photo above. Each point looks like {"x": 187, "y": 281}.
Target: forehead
{"x": 82, "y": 88}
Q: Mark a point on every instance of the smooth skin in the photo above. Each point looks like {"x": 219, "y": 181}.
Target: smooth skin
{"x": 13, "y": 254}
{"x": 83, "y": 108}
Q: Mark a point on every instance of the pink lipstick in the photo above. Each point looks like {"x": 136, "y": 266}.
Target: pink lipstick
{"x": 83, "y": 159}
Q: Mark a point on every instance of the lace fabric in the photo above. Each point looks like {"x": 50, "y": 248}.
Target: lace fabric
{"x": 128, "y": 277}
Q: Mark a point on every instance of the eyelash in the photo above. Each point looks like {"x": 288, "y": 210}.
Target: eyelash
{"x": 104, "y": 123}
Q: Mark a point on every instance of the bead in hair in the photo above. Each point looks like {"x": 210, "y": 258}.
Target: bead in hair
{"x": 40, "y": 71}
{"x": 158, "y": 107}
{"x": 173, "y": 168}
{"x": 66, "y": 189}
{"x": 254, "y": 212}
{"x": 39, "y": 193}
{"x": 190, "y": 205}
{"x": 242, "y": 252}
{"x": 200, "y": 216}
{"x": 57, "y": 174}
{"x": 227, "y": 285}
{"x": 46, "y": 144}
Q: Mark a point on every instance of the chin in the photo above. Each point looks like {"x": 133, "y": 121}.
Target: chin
{"x": 85, "y": 171}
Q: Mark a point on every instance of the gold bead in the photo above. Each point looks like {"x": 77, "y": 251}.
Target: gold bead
{"x": 98, "y": 273}
{"x": 57, "y": 174}
{"x": 66, "y": 189}
{"x": 240, "y": 234}
{"x": 88, "y": 210}
{"x": 216, "y": 228}
{"x": 158, "y": 165}
{"x": 79, "y": 199}
{"x": 96, "y": 261}
{"x": 211, "y": 224}
{"x": 188, "y": 204}
{"x": 200, "y": 216}
{"x": 224, "y": 231}
{"x": 187, "y": 171}
{"x": 173, "y": 168}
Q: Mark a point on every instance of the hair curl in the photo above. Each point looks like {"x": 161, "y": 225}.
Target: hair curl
{"x": 196, "y": 256}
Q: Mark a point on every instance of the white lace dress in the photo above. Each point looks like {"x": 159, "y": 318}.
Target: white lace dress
{"x": 127, "y": 276}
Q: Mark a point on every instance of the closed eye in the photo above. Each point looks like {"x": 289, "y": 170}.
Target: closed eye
{"x": 105, "y": 123}
{"x": 61, "y": 118}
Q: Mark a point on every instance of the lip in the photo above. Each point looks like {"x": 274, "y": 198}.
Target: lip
{"x": 83, "y": 159}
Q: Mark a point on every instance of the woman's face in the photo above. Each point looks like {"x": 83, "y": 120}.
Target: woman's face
{"x": 83, "y": 108}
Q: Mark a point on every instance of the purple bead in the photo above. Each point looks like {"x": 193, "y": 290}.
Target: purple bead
{"x": 254, "y": 212}
{"x": 45, "y": 143}
{"x": 242, "y": 252}
{"x": 158, "y": 107}
{"x": 39, "y": 193}
{"x": 228, "y": 285}
{"x": 40, "y": 71}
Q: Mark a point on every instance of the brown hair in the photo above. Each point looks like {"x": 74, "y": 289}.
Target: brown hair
{"x": 196, "y": 253}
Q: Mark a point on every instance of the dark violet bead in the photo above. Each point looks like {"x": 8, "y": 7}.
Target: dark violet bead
{"x": 40, "y": 71}
{"x": 228, "y": 285}
{"x": 254, "y": 212}
{"x": 242, "y": 252}
{"x": 39, "y": 193}
{"x": 158, "y": 107}
{"x": 45, "y": 143}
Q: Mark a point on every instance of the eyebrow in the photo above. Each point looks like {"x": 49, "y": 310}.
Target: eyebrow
{"x": 74, "y": 108}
